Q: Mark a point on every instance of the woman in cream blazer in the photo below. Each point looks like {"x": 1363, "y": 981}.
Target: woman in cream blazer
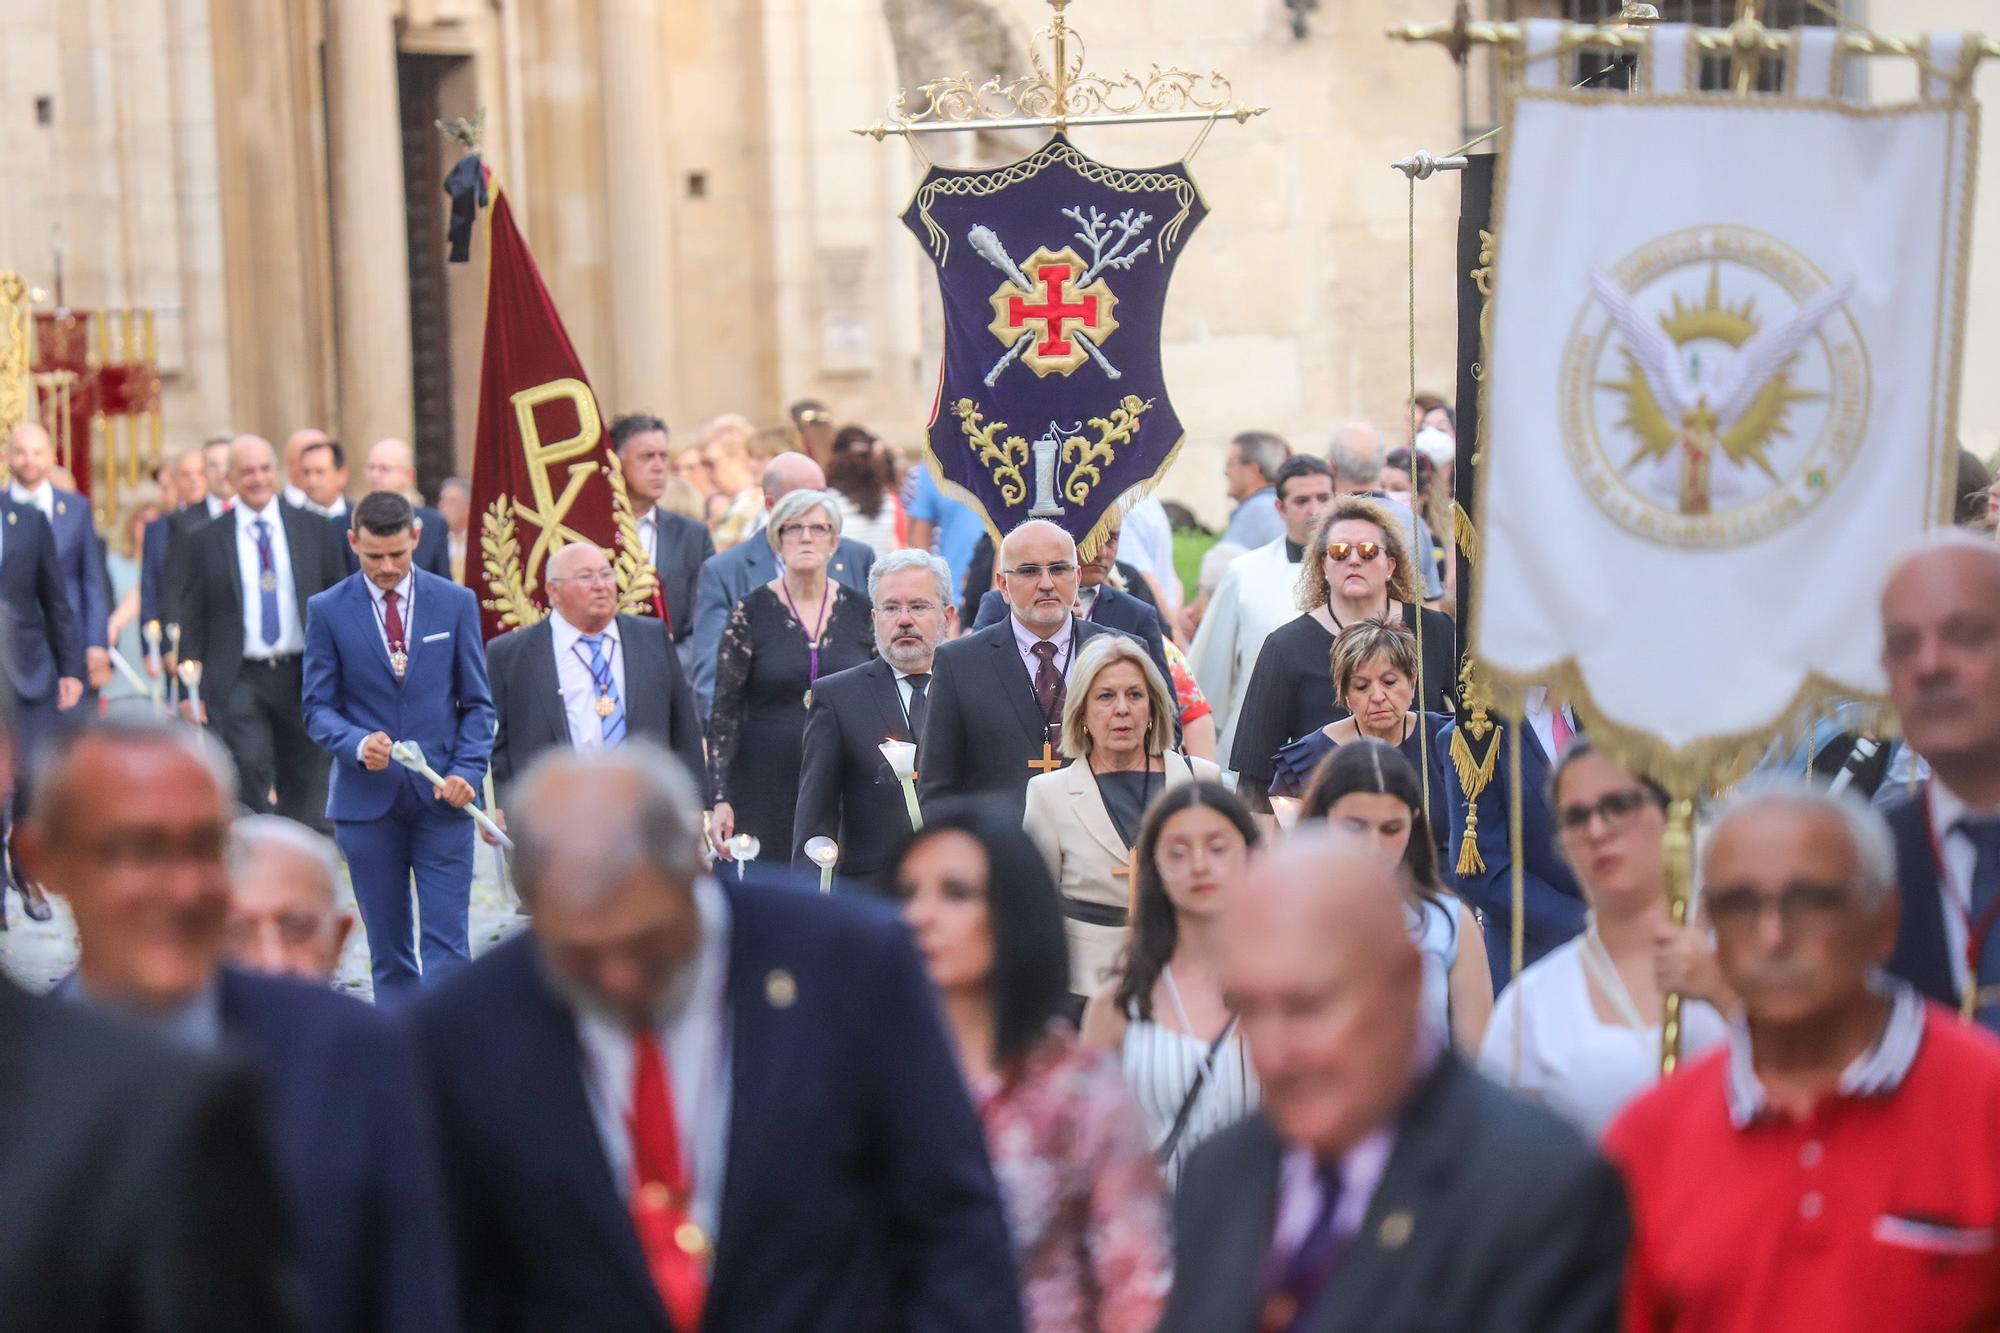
{"x": 1117, "y": 724}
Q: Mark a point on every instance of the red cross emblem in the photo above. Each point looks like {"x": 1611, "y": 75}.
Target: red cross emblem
{"x": 1054, "y": 328}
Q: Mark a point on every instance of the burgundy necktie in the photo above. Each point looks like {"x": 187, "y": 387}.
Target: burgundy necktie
{"x": 392, "y": 630}
{"x": 1048, "y": 684}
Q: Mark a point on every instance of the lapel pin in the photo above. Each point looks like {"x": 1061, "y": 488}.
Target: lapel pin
{"x": 1396, "y": 1229}
{"x": 62, "y": 507}
{"x": 12, "y": 518}
{"x": 780, "y": 991}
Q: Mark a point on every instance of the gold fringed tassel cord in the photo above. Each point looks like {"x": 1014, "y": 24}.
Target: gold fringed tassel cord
{"x": 1678, "y": 851}
{"x": 1472, "y": 780}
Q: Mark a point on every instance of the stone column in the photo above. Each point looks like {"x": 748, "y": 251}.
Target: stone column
{"x": 639, "y": 197}
{"x": 370, "y": 236}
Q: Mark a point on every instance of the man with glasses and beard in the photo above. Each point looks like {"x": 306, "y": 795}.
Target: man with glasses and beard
{"x": 996, "y": 696}
{"x": 846, "y": 789}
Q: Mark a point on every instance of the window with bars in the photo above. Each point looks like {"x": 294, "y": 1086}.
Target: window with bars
{"x": 1600, "y": 68}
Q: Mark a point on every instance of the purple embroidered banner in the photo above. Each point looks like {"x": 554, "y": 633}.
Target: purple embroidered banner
{"x": 1054, "y": 274}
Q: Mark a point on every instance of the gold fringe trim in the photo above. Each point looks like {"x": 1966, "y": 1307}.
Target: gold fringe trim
{"x": 1464, "y": 533}
{"x": 1473, "y": 775}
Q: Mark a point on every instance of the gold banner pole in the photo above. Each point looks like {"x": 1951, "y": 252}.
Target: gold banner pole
{"x": 1677, "y": 850}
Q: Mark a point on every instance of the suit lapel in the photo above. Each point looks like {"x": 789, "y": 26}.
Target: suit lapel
{"x": 1405, "y": 1200}
{"x": 544, "y": 683}
{"x": 642, "y": 664}
{"x": 1014, "y": 681}
{"x": 888, "y": 697}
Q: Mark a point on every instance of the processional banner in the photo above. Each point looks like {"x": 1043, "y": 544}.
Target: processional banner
{"x": 1054, "y": 271}
{"x": 543, "y": 473}
{"x": 1720, "y": 395}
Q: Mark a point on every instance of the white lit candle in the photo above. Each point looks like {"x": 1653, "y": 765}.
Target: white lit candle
{"x": 744, "y": 847}
{"x": 823, "y": 852}
{"x": 902, "y": 757}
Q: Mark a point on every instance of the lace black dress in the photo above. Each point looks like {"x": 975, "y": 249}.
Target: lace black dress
{"x": 757, "y": 731}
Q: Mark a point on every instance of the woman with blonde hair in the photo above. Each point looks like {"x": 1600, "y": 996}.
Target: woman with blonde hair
{"x": 1357, "y": 567}
{"x": 1118, "y": 730}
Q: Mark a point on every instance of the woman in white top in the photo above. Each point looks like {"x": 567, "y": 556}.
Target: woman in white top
{"x": 1163, "y": 1013}
{"x": 1118, "y": 727}
{"x": 1580, "y": 1029}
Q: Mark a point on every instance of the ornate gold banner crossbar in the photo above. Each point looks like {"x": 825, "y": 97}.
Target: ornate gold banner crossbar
{"x": 1061, "y": 95}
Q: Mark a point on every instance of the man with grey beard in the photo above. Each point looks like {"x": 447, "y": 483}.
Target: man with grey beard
{"x": 846, "y": 789}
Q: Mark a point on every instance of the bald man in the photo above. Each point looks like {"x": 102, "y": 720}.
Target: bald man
{"x": 728, "y": 578}
{"x": 1383, "y": 1185}
{"x": 1941, "y": 653}
{"x": 996, "y": 696}
{"x": 391, "y": 465}
{"x": 296, "y": 445}
{"x": 249, "y": 576}
{"x": 31, "y": 459}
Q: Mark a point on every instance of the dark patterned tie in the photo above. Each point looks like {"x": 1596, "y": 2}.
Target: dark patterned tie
{"x": 1292, "y": 1281}
{"x": 1985, "y": 836}
{"x": 920, "y": 706}
{"x": 1048, "y": 683}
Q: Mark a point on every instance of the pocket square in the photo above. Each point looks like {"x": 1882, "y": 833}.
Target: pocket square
{"x": 433, "y": 638}
{"x": 1932, "y": 1237}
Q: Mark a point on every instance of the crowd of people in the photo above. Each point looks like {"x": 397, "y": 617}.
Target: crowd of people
{"x": 1164, "y": 977}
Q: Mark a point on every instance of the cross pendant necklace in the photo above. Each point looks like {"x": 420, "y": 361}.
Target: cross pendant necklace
{"x": 1048, "y": 763}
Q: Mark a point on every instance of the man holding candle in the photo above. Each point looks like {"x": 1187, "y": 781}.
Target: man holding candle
{"x": 393, "y": 654}
{"x": 847, "y": 790}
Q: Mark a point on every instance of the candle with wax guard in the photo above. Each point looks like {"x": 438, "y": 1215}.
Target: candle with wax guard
{"x": 902, "y": 757}
{"x": 823, "y": 852}
{"x": 744, "y": 847}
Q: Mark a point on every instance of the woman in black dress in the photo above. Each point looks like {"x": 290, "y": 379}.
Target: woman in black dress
{"x": 798, "y": 627}
{"x": 1356, "y": 568}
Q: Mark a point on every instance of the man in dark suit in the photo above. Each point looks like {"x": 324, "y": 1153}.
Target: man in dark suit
{"x": 1553, "y": 900}
{"x": 681, "y": 1103}
{"x": 1383, "y": 1185}
{"x": 79, "y": 550}
{"x": 1941, "y": 652}
{"x": 847, "y": 791}
{"x": 997, "y": 695}
{"x": 132, "y": 827}
{"x": 250, "y": 576}
{"x": 216, "y": 496}
{"x": 728, "y": 578}
{"x": 392, "y": 655}
{"x": 1101, "y": 604}
{"x": 674, "y": 544}
{"x": 190, "y": 492}
{"x": 549, "y": 677}
{"x": 391, "y": 467}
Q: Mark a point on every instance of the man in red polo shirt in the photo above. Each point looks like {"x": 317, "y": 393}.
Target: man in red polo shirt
{"x": 1836, "y": 1164}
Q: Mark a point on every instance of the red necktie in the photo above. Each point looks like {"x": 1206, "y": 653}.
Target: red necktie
{"x": 1561, "y": 731}
{"x": 392, "y": 629}
{"x": 662, "y": 1189}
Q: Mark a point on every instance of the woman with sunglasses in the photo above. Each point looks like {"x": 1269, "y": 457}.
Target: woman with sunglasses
{"x": 1163, "y": 1011}
{"x": 1355, "y": 568}
{"x": 800, "y": 626}
{"x": 1084, "y": 1200}
{"x": 1580, "y": 1029}
{"x": 1370, "y": 789}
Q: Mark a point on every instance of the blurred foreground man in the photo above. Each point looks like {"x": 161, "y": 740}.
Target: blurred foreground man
{"x": 136, "y": 1190}
{"x": 1384, "y": 1186}
{"x": 131, "y": 824}
{"x": 684, "y": 1103}
{"x": 1836, "y": 1165}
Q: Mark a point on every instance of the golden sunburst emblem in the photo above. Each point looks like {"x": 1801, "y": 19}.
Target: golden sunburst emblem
{"x": 1715, "y": 387}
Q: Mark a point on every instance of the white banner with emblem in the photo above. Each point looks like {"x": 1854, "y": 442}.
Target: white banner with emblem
{"x": 1721, "y": 394}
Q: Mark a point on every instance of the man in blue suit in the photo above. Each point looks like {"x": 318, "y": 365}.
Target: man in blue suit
{"x": 394, "y": 654}
{"x": 79, "y": 551}
{"x": 728, "y": 578}
{"x": 680, "y": 1102}
{"x": 1553, "y": 901}
{"x": 131, "y": 826}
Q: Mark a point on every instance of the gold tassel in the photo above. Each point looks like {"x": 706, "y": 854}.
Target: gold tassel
{"x": 1470, "y": 862}
{"x": 1464, "y": 533}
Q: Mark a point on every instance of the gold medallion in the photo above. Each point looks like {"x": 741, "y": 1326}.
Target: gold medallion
{"x": 606, "y": 706}
{"x": 780, "y": 990}
{"x": 399, "y": 662}
{"x": 691, "y": 1239}
{"x": 268, "y": 583}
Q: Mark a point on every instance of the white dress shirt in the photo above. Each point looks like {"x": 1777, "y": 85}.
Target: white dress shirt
{"x": 406, "y": 601}
{"x": 291, "y": 626}
{"x": 579, "y": 690}
{"x": 216, "y": 505}
{"x": 1542, "y": 719}
{"x": 649, "y": 536}
{"x": 694, "y": 1038}
{"x": 295, "y": 495}
{"x": 43, "y": 497}
{"x": 904, "y": 690}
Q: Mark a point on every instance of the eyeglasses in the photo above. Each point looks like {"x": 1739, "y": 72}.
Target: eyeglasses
{"x": 1615, "y": 808}
{"x": 590, "y": 580}
{"x": 1060, "y": 570}
{"x": 816, "y": 531}
{"x": 895, "y": 610}
{"x": 1799, "y": 906}
{"x": 1339, "y": 551}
